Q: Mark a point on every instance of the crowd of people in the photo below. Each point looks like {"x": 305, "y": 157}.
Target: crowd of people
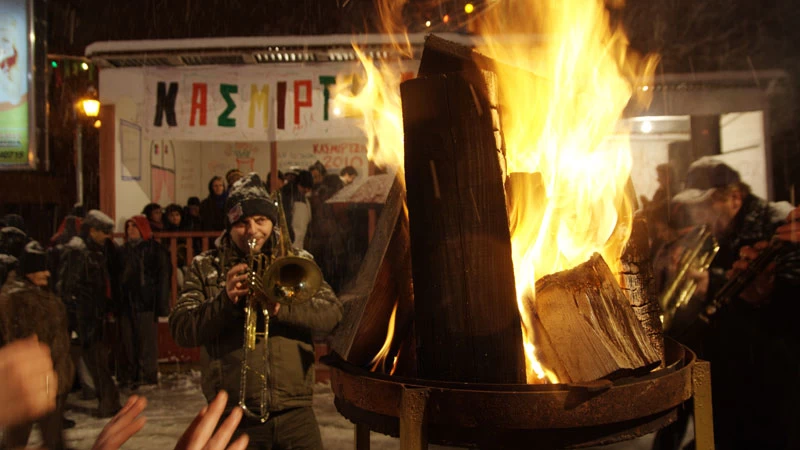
{"x": 59, "y": 301}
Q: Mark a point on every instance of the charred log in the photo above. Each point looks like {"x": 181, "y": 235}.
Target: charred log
{"x": 638, "y": 283}
{"x": 466, "y": 317}
{"x": 585, "y": 328}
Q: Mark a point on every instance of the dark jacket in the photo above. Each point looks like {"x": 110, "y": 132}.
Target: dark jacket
{"x": 85, "y": 287}
{"x": 146, "y": 273}
{"x": 212, "y": 210}
{"x": 26, "y": 309}
{"x": 205, "y": 316}
{"x": 8, "y": 264}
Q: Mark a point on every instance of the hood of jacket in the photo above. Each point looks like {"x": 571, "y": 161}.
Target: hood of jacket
{"x": 142, "y": 224}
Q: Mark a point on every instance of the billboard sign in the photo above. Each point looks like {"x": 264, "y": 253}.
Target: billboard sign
{"x": 17, "y": 149}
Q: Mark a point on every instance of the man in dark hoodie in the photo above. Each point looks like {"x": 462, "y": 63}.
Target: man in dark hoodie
{"x": 212, "y": 208}
{"x": 28, "y": 308}
{"x": 145, "y": 279}
{"x": 210, "y": 314}
{"x": 85, "y": 282}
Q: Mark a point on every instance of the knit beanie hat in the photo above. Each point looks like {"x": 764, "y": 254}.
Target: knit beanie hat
{"x": 12, "y": 241}
{"x": 33, "y": 258}
{"x": 248, "y": 197}
{"x": 99, "y": 221}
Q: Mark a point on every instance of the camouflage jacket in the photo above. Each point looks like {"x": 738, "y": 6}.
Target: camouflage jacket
{"x": 204, "y": 316}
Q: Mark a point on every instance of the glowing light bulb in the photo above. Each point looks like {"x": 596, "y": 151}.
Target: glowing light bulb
{"x": 427, "y": 23}
{"x": 647, "y": 126}
{"x": 468, "y": 8}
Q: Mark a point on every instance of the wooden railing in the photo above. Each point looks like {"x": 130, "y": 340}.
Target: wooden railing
{"x": 170, "y": 241}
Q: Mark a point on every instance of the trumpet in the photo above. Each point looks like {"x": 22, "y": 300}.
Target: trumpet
{"x": 286, "y": 277}
{"x": 701, "y": 249}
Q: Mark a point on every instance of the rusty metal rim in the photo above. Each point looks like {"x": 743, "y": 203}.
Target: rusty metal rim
{"x": 527, "y": 407}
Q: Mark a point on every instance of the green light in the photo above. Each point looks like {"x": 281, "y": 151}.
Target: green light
{"x": 54, "y": 64}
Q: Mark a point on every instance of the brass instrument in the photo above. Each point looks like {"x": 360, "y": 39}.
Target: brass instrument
{"x": 700, "y": 249}
{"x": 286, "y": 278}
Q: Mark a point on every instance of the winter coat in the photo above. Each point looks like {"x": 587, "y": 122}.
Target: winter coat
{"x": 8, "y": 264}
{"x": 26, "y": 309}
{"x": 85, "y": 287}
{"x": 212, "y": 210}
{"x": 205, "y": 316}
{"x": 146, "y": 274}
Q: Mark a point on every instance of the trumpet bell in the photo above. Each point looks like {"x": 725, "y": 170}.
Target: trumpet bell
{"x": 292, "y": 279}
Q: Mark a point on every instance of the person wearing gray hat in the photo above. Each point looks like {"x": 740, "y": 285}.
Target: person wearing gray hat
{"x": 86, "y": 287}
{"x": 28, "y": 308}
{"x": 210, "y": 314}
{"x": 751, "y": 339}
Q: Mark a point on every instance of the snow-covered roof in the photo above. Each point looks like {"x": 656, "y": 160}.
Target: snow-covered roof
{"x": 252, "y": 50}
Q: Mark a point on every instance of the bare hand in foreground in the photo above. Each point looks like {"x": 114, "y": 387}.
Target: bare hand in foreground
{"x": 199, "y": 434}
{"x": 123, "y": 425}
{"x": 29, "y": 387}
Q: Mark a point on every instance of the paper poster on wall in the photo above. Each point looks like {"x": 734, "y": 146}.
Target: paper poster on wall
{"x": 162, "y": 172}
{"x": 15, "y": 117}
{"x": 130, "y": 142}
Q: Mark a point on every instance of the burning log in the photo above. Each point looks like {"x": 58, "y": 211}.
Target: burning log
{"x": 383, "y": 282}
{"x": 466, "y": 317}
{"x": 638, "y": 284}
{"x": 585, "y": 328}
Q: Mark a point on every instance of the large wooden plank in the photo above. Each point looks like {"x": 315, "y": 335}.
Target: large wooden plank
{"x": 586, "y": 329}
{"x": 466, "y": 317}
{"x": 383, "y": 279}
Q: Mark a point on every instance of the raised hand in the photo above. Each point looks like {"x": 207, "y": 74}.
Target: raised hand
{"x": 199, "y": 434}
{"x": 122, "y": 426}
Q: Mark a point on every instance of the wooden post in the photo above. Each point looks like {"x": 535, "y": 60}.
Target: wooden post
{"x": 413, "y": 419}
{"x": 703, "y": 414}
{"x": 466, "y": 317}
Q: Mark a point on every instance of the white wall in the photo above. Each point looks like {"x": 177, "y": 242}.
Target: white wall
{"x": 743, "y": 148}
{"x": 647, "y": 153}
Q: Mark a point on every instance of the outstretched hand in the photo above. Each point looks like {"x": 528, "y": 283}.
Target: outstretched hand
{"x": 199, "y": 434}
{"x": 123, "y": 425}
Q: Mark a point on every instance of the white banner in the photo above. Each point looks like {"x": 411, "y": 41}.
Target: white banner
{"x": 248, "y": 103}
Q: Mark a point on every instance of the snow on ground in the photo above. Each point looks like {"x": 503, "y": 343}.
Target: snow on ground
{"x": 174, "y": 403}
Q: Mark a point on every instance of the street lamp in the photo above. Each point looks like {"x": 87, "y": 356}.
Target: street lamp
{"x": 90, "y": 108}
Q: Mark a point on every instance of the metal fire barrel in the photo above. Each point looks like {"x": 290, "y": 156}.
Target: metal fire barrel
{"x": 521, "y": 415}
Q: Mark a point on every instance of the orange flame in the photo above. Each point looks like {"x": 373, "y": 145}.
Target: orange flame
{"x": 379, "y": 361}
{"x": 560, "y": 124}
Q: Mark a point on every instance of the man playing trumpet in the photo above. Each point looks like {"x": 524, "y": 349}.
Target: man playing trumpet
{"x": 210, "y": 313}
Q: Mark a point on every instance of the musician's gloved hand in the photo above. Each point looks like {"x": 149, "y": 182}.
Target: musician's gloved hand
{"x": 758, "y": 292}
{"x": 791, "y": 230}
{"x": 236, "y": 282}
